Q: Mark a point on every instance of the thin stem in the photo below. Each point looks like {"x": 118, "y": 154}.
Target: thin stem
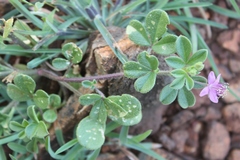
{"x": 164, "y": 72}
{"x": 48, "y": 74}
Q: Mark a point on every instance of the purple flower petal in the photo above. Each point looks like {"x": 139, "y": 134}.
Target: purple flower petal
{"x": 213, "y": 96}
{"x": 204, "y": 92}
{"x": 211, "y": 78}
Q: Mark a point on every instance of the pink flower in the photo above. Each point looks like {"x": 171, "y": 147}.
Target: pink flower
{"x": 214, "y": 89}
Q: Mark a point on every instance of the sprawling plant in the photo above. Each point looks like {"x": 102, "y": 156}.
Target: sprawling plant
{"x": 26, "y": 120}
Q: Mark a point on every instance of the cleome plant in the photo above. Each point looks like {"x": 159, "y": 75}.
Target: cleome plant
{"x": 29, "y": 133}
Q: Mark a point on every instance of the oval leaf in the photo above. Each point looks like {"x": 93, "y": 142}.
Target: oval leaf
{"x": 72, "y": 52}
{"x": 156, "y": 24}
{"x": 99, "y": 112}
{"x": 41, "y": 99}
{"x": 175, "y": 62}
{"x": 90, "y": 133}
{"x": 168, "y": 95}
{"x": 134, "y": 70}
{"x": 148, "y": 60}
{"x": 50, "y": 116}
{"x": 15, "y": 93}
{"x": 89, "y": 99}
{"x": 189, "y": 82}
{"x": 186, "y": 98}
{"x": 183, "y": 47}
{"x": 60, "y": 63}
{"x": 199, "y": 82}
{"x": 145, "y": 83}
{"x": 178, "y": 83}
{"x": 199, "y": 56}
{"x": 132, "y": 106}
{"x": 25, "y": 83}
{"x": 32, "y": 114}
{"x": 137, "y": 33}
{"x": 166, "y": 46}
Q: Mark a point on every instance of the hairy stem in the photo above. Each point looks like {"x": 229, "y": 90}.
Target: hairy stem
{"x": 48, "y": 74}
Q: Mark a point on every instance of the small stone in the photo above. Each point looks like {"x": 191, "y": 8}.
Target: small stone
{"x": 180, "y": 137}
{"x": 212, "y": 113}
{"x": 217, "y": 142}
{"x": 235, "y": 87}
{"x": 163, "y": 153}
{"x": 234, "y": 65}
{"x": 231, "y": 114}
{"x": 229, "y": 40}
{"x": 225, "y": 72}
{"x": 181, "y": 118}
{"x": 167, "y": 142}
{"x": 234, "y": 154}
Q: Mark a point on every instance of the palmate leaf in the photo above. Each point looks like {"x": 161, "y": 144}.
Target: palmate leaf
{"x": 22, "y": 89}
{"x": 166, "y": 45}
{"x": 156, "y": 24}
{"x": 131, "y": 105}
{"x": 145, "y": 70}
{"x": 186, "y": 98}
{"x": 137, "y": 33}
{"x": 90, "y": 133}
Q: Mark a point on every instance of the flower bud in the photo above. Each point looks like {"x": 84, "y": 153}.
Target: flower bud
{"x": 199, "y": 66}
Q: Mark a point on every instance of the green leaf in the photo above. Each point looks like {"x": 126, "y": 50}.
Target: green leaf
{"x": 114, "y": 110}
{"x": 189, "y": 82}
{"x": 16, "y": 93}
{"x": 54, "y": 101}
{"x": 41, "y": 99}
{"x": 66, "y": 146}
{"x": 168, "y": 95}
{"x": 178, "y": 83}
{"x": 199, "y": 82}
{"x": 178, "y": 73}
{"x": 148, "y": 60}
{"x": 145, "y": 83}
{"x": 72, "y": 52}
{"x": 131, "y": 105}
{"x": 134, "y": 70}
{"x": 166, "y": 45}
{"x": 156, "y": 24}
{"x": 32, "y": 114}
{"x": 199, "y": 56}
{"x": 50, "y": 116}
{"x": 89, "y": 84}
{"x": 60, "y": 63}
{"x": 89, "y": 99}
{"x": 22, "y": 89}
{"x": 90, "y": 133}
{"x": 186, "y": 98}
{"x": 32, "y": 146}
{"x": 38, "y": 130}
{"x": 175, "y": 62}
{"x": 7, "y": 27}
{"x": 137, "y": 33}
{"x": 17, "y": 147}
{"x": 15, "y": 126}
{"x": 141, "y": 136}
{"x": 183, "y": 47}
{"x": 99, "y": 112}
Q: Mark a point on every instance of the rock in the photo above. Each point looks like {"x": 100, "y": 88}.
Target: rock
{"x": 212, "y": 113}
{"x": 234, "y": 65}
{"x": 180, "y": 137}
{"x": 231, "y": 114}
{"x": 151, "y": 120}
{"x": 225, "y": 72}
{"x": 167, "y": 142}
{"x": 192, "y": 143}
{"x": 217, "y": 142}
{"x": 230, "y": 40}
{"x": 181, "y": 118}
{"x": 200, "y": 101}
{"x": 235, "y": 87}
{"x": 163, "y": 153}
{"x": 234, "y": 154}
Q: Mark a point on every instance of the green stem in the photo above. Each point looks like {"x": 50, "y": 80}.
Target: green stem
{"x": 164, "y": 73}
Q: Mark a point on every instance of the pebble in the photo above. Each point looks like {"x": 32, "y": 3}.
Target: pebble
{"x": 231, "y": 114}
